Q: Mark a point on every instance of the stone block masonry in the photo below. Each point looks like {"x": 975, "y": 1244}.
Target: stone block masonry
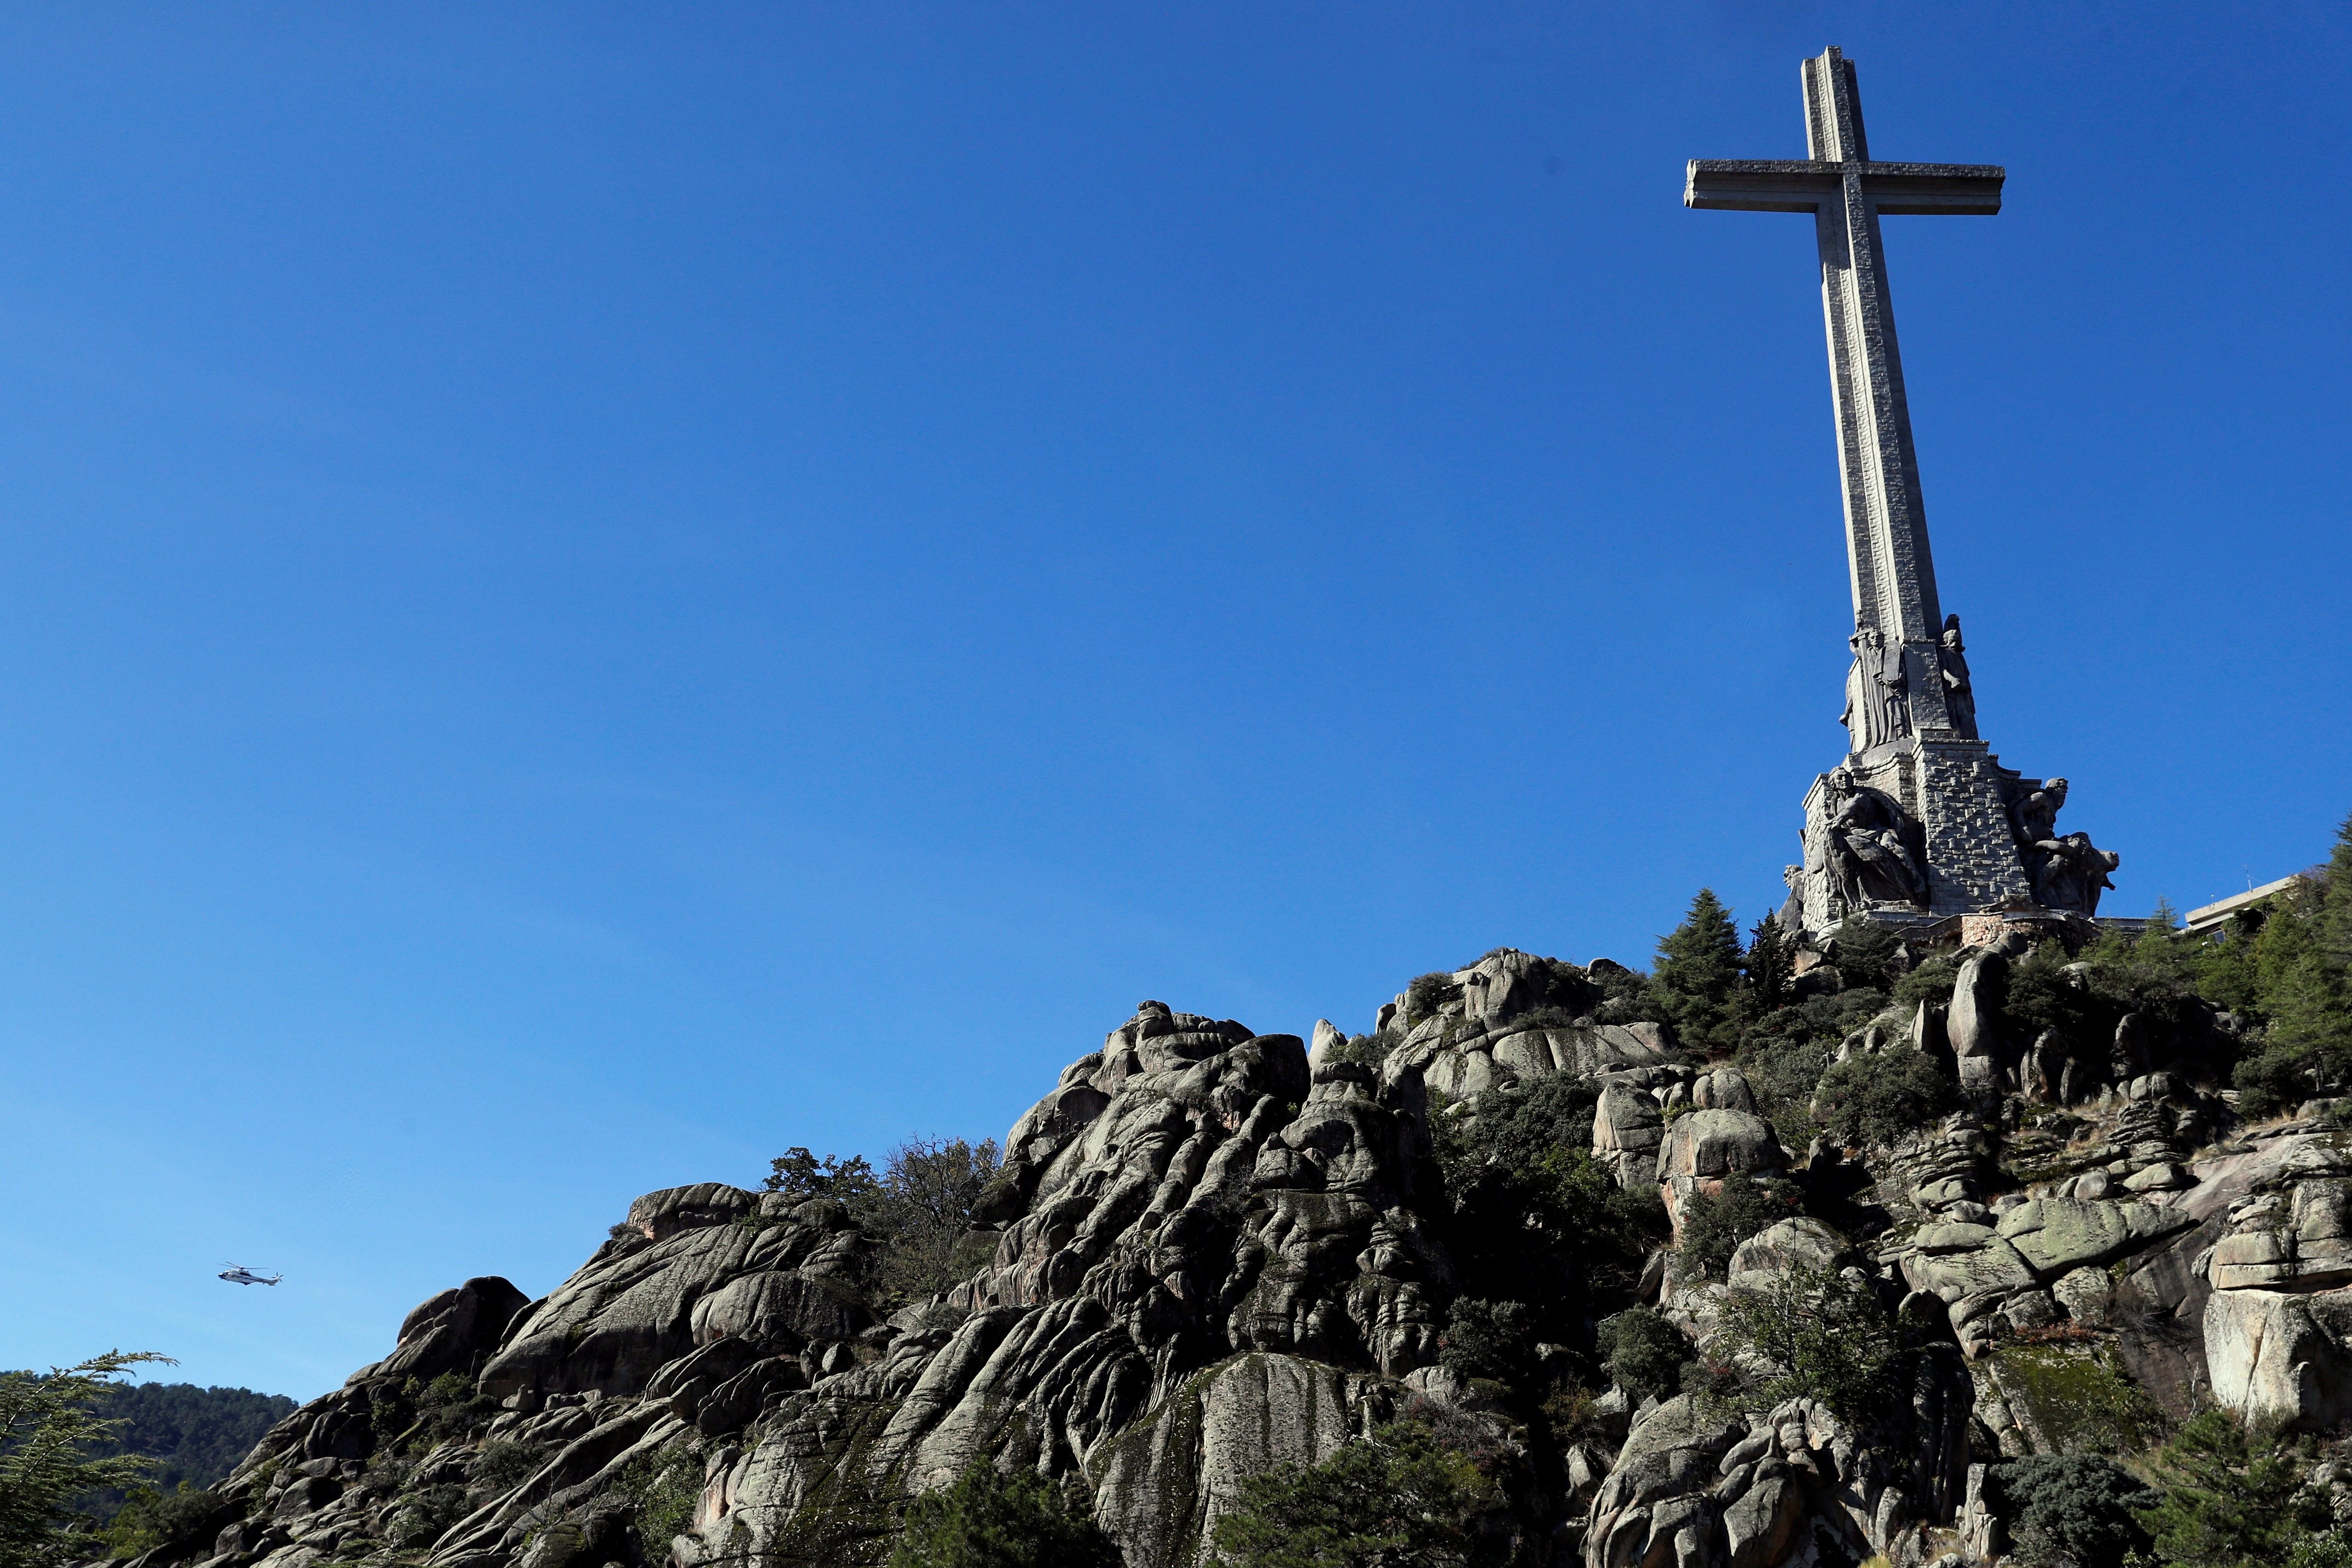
{"x": 1972, "y": 859}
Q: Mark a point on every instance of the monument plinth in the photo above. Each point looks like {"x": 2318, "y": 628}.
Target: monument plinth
{"x": 1920, "y": 823}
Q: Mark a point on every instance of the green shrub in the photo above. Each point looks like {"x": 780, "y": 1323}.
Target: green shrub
{"x": 1644, "y": 1353}
{"x": 1932, "y": 981}
{"x": 503, "y": 1466}
{"x": 800, "y": 1176}
{"x": 1717, "y": 1223}
{"x": 47, "y": 1429}
{"x": 1396, "y": 1498}
{"x": 2228, "y": 1500}
{"x": 1866, "y": 953}
{"x": 149, "y": 1517}
{"x": 1818, "y": 1333}
{"x": 1487, "y": 1339}
{"x": 2077, "y": 1504}
{"x": 1877, "y": 1098}
{"x": 1770, "y": 968}
{"x": 992, "y": 1518}
{"x": 1535, "y": 1219}
{"x": 2275, "y": 1080}
{"x": 667, "y": 1488}
{"x": 1427, "y": 996}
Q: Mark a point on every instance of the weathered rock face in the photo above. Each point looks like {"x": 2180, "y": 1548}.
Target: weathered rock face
{"x": 1210, "y": 1257}
{"x": 1794, "y": 1484}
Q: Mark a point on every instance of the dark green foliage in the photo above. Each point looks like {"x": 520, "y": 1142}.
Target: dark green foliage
{"x": 1400, "y": 1498}
{"x": 1624, "y": 994}
{"x": 1426, "y": 994}
{"x": 1932, "y": 981}
{"x": 1644, "y": 1351}
{"x": 147, "y": 1517}
{"x": 1518, "y": 1128}
{"x": 1822, "y": 1334}
{"x": 416, "y": 1416}
{"x": 1770, "y": 968}
{"x": 1783, "y": 1054}
{"x": 1369, "y": 1050}
{"x": 1717, "y": 1223}
{"x": 666, "y": 1488}
{"x": 799, "y": 1175}
{"x": 2078, "y": 1504}
{"x": 992, "y": 1518}
{"x": 2278, "y": 1079}
{"x": 2300, "y": 965}
{"x": 1536, "y": 1220}
{"x": 1877, "y": 1098}
{"x": 2153, "y": 975}
{"x": 923, "y": 1210}
{"x": 195, "y": 1435}
{"x": 48, "y": 1426}
{"x": 1488, "y": 1339}
{"x": 503, "y": 1466}
{"x": 2042, "y": 996}
{"x": 1697, "y": 972}
{"x": 1867, "y": 955}
{"x": 2228, "y": 1501}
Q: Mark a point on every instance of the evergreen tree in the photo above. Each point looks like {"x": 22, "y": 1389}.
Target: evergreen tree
{"x": 1698, "y": 971}
{"x": 1401, "y": 1497}
{"x": 2304, "y": 961}
{"x": 990, "y": 1518}
{"x": 1771, "y": 966}
{"x": 47, "y": 1430}
{"x": 2227, "y": 1502}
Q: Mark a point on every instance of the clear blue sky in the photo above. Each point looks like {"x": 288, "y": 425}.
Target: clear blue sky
{"x": 591, "y": 592}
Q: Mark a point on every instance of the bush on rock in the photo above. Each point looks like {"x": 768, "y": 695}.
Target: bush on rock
{"x": 1399, "y": 1497}
{"x": 2077, "y": 1506}
{"x": 990, "y": 1518}
{"x": 1817, "y": 1334}
{"x": 1877, "y": 1098}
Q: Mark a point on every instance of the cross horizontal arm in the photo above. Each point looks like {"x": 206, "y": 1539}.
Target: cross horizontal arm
{"x": 1798, "y": 185}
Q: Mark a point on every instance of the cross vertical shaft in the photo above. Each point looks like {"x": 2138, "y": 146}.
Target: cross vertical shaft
{"x": 1892, "y": 571}
{"x": 1897, "y": 618}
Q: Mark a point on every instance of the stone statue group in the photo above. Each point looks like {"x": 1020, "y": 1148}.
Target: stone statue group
{"x": 1875, "y": 852}
{"x": 1877, "y": 686}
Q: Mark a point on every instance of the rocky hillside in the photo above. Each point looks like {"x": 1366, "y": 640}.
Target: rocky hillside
{"x": 1543, "y": 1234}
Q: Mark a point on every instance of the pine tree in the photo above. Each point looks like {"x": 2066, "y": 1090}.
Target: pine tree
{"x": 2304, "y": 961}
{"x": 1698, "y": 971}
{"x": 46, "y": 1432}
{"x": 1770, "y": 965}
{"x": 2227, "y": 1502}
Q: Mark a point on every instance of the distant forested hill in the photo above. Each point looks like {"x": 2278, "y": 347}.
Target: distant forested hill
{"x": 199, "y": 1433}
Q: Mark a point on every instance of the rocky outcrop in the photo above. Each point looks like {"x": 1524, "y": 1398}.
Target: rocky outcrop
{"x": 1789, "y": 1485}
{"x": 1210, "y": 1252}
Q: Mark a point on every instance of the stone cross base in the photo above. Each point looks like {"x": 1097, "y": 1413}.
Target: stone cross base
{"x": 1946, "y": 801}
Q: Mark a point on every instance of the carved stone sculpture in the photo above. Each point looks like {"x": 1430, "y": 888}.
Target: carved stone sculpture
{"x": 2034, "y": 818}
{"x": 1871, "y": 853}
{"x": 2073, "y": 873}
{"x": 1959, "y": 696}
{"x": 1878, "y": 708}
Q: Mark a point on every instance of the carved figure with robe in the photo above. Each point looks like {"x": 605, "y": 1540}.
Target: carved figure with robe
{"x": 1878, "y": 708}
{"x": 1959, "y": 696}
{"x": 1868, "y": 846}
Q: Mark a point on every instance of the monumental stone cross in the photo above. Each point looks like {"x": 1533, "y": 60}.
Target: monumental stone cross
{"x": 1921, "y": 825}
{"x": 1897, "y": 621}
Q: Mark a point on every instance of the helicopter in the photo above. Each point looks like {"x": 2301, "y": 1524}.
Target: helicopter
{"x": 238, "y": 1274}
